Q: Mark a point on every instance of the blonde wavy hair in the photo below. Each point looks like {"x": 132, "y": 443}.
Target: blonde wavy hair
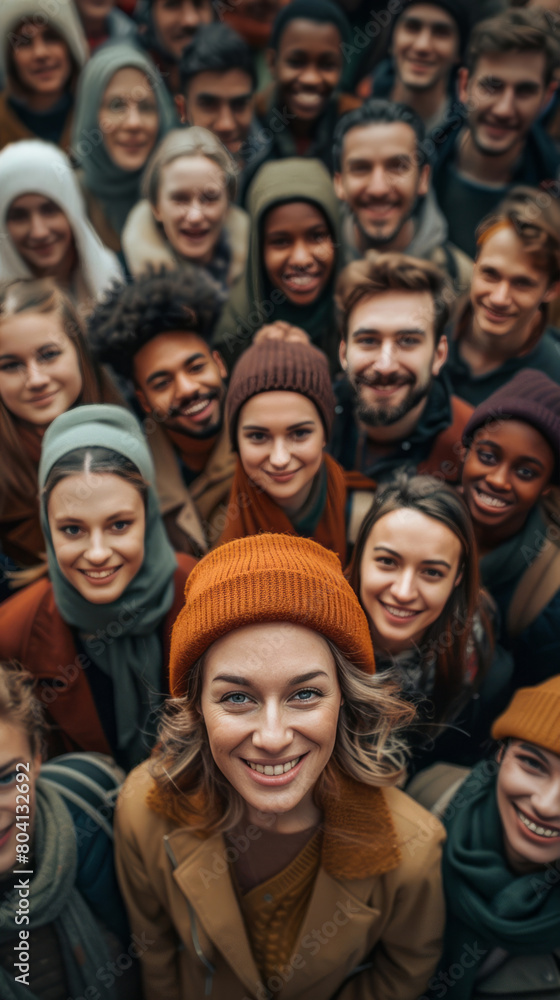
{"x": 369, "y": 748}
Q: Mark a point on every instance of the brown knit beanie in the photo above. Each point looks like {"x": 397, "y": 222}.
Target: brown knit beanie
{"x": 533, "y": 714}
{"x": 278, "y": 365}
{"x": 267, "y": 578}
{"x": 530, "y": 396}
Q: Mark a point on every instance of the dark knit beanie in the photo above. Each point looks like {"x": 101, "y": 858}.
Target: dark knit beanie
{"x": 457, "y": 9}
{"x": 530, "y": 396}
{"x": 322, "y": 11}
{"x": 277, "y": 365}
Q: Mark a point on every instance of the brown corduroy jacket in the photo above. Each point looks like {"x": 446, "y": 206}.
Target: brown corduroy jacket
{"x": 382, "y": 902}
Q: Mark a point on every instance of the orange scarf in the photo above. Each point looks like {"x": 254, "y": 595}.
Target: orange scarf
{"x": 195, "y": 452}
{"x": 250, "y": 510}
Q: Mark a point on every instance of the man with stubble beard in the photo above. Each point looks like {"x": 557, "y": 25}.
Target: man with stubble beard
{"x": 395, "y": 408}
{"x": 155, "y": 332}
{"x": 497, "y": 141}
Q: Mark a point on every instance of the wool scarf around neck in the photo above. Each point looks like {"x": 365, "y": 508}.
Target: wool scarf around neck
{"x": 54, "y": 898}
{"x": 120, "y": 637}
{"x": 488, "y": 905}
{"x": 118, "y": 190}
{"x": 251, "y": 510}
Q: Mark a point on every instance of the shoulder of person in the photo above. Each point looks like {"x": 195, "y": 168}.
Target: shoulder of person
{"x": 23, "y": 608}
{"x": 418, "y": 832}
{"x": 348, "y": 102}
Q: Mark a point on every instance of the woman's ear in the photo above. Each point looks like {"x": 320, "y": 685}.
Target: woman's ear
{"x": 459, "y": 576}
{"x": 501, "y": 752}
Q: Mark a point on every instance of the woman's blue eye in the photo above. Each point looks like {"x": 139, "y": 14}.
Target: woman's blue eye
{"x": 237, "y": 698}
{"x": 307, "y": 694}
{"x": 7, "y": 779}
{"x": 72, "y": 530}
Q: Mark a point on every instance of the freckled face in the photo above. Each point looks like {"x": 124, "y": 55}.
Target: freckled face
{"x": 270, "y": 702}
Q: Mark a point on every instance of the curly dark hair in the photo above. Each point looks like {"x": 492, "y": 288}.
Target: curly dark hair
{"x": 158, "y": 302}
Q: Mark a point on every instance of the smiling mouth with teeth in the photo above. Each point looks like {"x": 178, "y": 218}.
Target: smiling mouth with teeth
{"x": 99, "y": 574}
{"x": 490, "y": 501}
{"x": 400, "y": 612}
{"x": 271, "y": 769}
{"x": 541, "y": 831}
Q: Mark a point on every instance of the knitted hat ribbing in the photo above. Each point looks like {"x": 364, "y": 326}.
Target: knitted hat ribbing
{"x": 533, "y": 715}
{"x": 278, "y": 365}
{"x": 530, "y": 396}
{"x": 267, "y": 578}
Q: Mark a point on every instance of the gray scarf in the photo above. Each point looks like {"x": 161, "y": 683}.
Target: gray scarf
{"x": 53, "y": 898}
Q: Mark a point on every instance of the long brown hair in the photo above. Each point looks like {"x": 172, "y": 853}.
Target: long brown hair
{"x": 451, "y": 636}
{"x": 18, "y": 472}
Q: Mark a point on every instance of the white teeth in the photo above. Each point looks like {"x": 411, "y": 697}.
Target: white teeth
{"x": 302, "y": 280}
{"x": 274, "y": 769}
{"x": 399, "y": 612}
{"x": 542, "y": 831}
{"x": 195, "y": 408}
{"x": 310, "y": 99}
{"x": 99, "y": 574}
{"x": 489, "y": 501}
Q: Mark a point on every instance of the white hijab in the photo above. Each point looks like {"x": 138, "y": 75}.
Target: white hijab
{"x": 32, "y": 166}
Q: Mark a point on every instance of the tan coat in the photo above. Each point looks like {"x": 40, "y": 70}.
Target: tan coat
{"x": 179, "y": 894}
{"x": 194, "y": 517}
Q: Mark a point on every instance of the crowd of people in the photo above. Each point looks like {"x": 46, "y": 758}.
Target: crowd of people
{"x": 279, "y": 499}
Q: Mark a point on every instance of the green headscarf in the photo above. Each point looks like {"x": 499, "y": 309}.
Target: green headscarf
{"x": 118, "y": 190}
{"x": 132, "y": 655}
{"x": 488, "y": 905}
{"x": 251, "y": 304}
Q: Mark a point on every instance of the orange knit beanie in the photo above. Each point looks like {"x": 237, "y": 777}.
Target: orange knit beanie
{"x": 267, "y": 578}
{"x": 533, "y": 714}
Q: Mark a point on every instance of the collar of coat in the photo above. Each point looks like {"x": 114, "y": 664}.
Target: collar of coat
{"x": 359, "y": 836}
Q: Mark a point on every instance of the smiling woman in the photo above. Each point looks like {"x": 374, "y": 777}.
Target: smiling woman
{"x": 415, "y": 571}
{"x": 122, "y": 96}
{"x": 44, "y": 229}
{"x": 45, "y": 369}
{"x": 261, "y": 820}
{"x": 114, "y": 590}
{"x": 500, "y": 860}
{"x": 280, "y": 409}
{"x": 510, "y": 484}
{"x": 188, "y": 213}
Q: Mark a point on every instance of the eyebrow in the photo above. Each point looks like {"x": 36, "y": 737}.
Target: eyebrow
{"x": 243, "y": 682}
{"x": 425, "y": 562}
{"x": 16, "y": 357}
{"x": 416, "y": 330}
{"x": 68, "y": 518}
{"x": 218, "y": 97}
{"x": 163, "y": 371}
{"x": 533, "y": 749}
{"x": 292, "y": 427}
{"x": 6, "y": 767}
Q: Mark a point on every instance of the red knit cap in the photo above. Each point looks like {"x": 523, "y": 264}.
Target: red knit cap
{"x": 267, "y": 578}
{"x": 282, "y": 366}
{"x": 533, "y": 715}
